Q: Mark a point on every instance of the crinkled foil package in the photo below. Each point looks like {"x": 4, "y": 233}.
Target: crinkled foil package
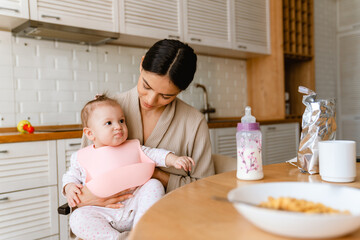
{"x": 318, "y": 124}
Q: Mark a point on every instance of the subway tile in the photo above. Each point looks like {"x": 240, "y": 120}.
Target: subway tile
{"x": 47, "y": 118}
{"x": 7, "y": 119}
{"x": 38, "y": 107}
{"x": 6, "y": 95}
{"x": 35, "y": 84}
{"x": 26, "y": 95}
{"x": 84, "y": 96}
{"x": 48, "y": 96}
{"x": 86, "y": 75}
{"x": 71, "y": 106}
{"x": 65, "y": 85}
{"x": 7, "y": 106}
{"x": 46, "y": 73}
{"x": 25, "y": 72}
{"x": 6, "y": 83}
{"x": 33, "y": 118}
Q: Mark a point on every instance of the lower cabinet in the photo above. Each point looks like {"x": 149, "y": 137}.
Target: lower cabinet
{"x": 279, "y": 142}
{"x": 30, "y": 189}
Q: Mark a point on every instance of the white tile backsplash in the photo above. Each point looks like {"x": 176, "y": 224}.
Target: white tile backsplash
{"x": 50, "y": 81}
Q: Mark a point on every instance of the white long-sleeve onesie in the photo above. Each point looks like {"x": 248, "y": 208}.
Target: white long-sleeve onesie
{"x": 92, "y": 222}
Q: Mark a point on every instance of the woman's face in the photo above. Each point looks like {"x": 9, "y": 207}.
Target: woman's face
{"x": 155, "y": 91}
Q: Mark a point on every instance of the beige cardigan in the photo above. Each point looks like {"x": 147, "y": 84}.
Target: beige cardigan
{"x": 181, "y": 129}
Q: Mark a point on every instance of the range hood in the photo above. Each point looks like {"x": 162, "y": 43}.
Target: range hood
{"x": 51, "y": 31}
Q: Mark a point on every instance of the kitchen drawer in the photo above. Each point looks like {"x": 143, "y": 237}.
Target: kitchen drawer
{"x": 29, "y": 214}
{"x": 27, "y": 165}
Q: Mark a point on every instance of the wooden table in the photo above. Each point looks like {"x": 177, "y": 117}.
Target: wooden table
{"x": 190, "y": 212}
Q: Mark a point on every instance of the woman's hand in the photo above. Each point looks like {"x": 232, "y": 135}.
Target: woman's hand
{"x": 162, "y": 176}
{"x": 87, "y": 198}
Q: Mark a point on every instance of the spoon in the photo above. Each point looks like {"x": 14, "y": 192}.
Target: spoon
{"x": 217, "y": 198}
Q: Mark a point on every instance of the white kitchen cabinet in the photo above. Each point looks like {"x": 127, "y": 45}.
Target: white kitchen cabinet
{"x": 207, "y": 22}
{"x": 223, "y": 141}
{"x": 348, "y": 104}
{"x": 65, "y": 148}
{"x": 27, "y": 165}
{"x": 279, "y": 142}
{"x": 13, "y": 13}
{"x": 348, "y": 15}
{"x": 14, "y": 8}
{"x": 92, "y": 14}
{"x": 251, "y": 26}
{"x": 29, "y": 214}
{"x": 28, "y": 190}
{"x": 210, "y": 26}
{"x": 154, "y": 19}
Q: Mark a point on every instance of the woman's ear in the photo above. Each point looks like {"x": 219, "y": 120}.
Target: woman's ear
{"x": 89, "y": 133}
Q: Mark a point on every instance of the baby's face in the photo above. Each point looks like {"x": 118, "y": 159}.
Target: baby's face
{"x": 108, "y": 126}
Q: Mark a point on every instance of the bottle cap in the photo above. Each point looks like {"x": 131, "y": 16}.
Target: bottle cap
{"x": 248, "y": 126}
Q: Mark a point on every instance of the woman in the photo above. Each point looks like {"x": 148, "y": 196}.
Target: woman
{"x": 159, "y": 119}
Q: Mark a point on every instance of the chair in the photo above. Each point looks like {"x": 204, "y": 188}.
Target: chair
{"x": 223, "y": 163}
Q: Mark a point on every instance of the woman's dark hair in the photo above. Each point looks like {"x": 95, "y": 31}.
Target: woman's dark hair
{"x": 174, "y": 58}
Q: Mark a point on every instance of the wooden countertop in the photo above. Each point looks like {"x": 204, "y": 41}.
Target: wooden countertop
{"x": 11, "y": 135}
{"x": 190, "y": 212}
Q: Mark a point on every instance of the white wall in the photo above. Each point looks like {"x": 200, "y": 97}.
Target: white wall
{"x": 48, "y": 82}
{"x": 325, "y": 48}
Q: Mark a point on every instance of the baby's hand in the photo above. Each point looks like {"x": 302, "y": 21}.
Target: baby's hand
{"x": 72, "y": 190}
{"x": 179, "y": 162}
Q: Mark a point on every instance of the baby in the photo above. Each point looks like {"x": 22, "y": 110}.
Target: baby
{"x": 113, "y": 164}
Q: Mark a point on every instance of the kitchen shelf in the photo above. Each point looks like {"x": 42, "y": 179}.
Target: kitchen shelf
{"x": 298, "y": 29}
{"x": 298, "y": 35}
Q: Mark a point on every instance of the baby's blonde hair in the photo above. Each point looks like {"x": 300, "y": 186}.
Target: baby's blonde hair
{"x": 91, "y": 105}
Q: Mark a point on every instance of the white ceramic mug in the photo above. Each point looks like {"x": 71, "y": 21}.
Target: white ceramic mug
{"x": 337, "y": 160}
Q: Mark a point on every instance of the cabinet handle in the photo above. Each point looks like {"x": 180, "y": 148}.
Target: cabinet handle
{"x": 49, "y": 16}
{"x": 242, "y": 47}
{"x": 9, "y": 9}
{"x": 4, "y": 199}
{"x": 4, "y": 151}
{"x": 74, "y": 144}
{"x": 271, "y": 128}
{"x": 195, "y": 39}
{"x": 174, "y": 36}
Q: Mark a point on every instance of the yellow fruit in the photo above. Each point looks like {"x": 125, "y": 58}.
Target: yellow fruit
{"x": 20, "y": 126}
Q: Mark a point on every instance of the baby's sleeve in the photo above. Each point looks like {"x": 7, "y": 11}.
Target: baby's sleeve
{"x": 74, "y": 174}
{"x": 158, "y": 155}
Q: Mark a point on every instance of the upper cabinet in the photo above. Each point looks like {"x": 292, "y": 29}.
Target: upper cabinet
{"x": 13, "y": 13}
{"x": 152, "y": 19}
{"x": 207, "y": 22}
{"x": 234, "y": 28}
{"x": 16, "y": 8}
{"x": 251, "y": 26}
{"x": 92, "y": 14}
{"x": 210, "y": 26}
{"x": 348, "y": 15}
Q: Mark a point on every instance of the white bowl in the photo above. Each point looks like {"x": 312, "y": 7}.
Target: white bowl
{"x": 301, "y": 225}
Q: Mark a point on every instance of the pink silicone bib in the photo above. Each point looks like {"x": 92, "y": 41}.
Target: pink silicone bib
{"x": 110, "y": 170}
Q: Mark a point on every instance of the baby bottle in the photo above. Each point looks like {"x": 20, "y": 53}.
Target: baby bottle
{"x": 248, "y": 141}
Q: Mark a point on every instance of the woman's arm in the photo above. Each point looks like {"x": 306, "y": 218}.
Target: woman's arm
{"x": 87, "y": 198}
{"x": 201, "y": 154}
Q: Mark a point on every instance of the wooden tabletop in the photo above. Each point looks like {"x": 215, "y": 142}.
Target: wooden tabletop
{"x": 190, "y": 212}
